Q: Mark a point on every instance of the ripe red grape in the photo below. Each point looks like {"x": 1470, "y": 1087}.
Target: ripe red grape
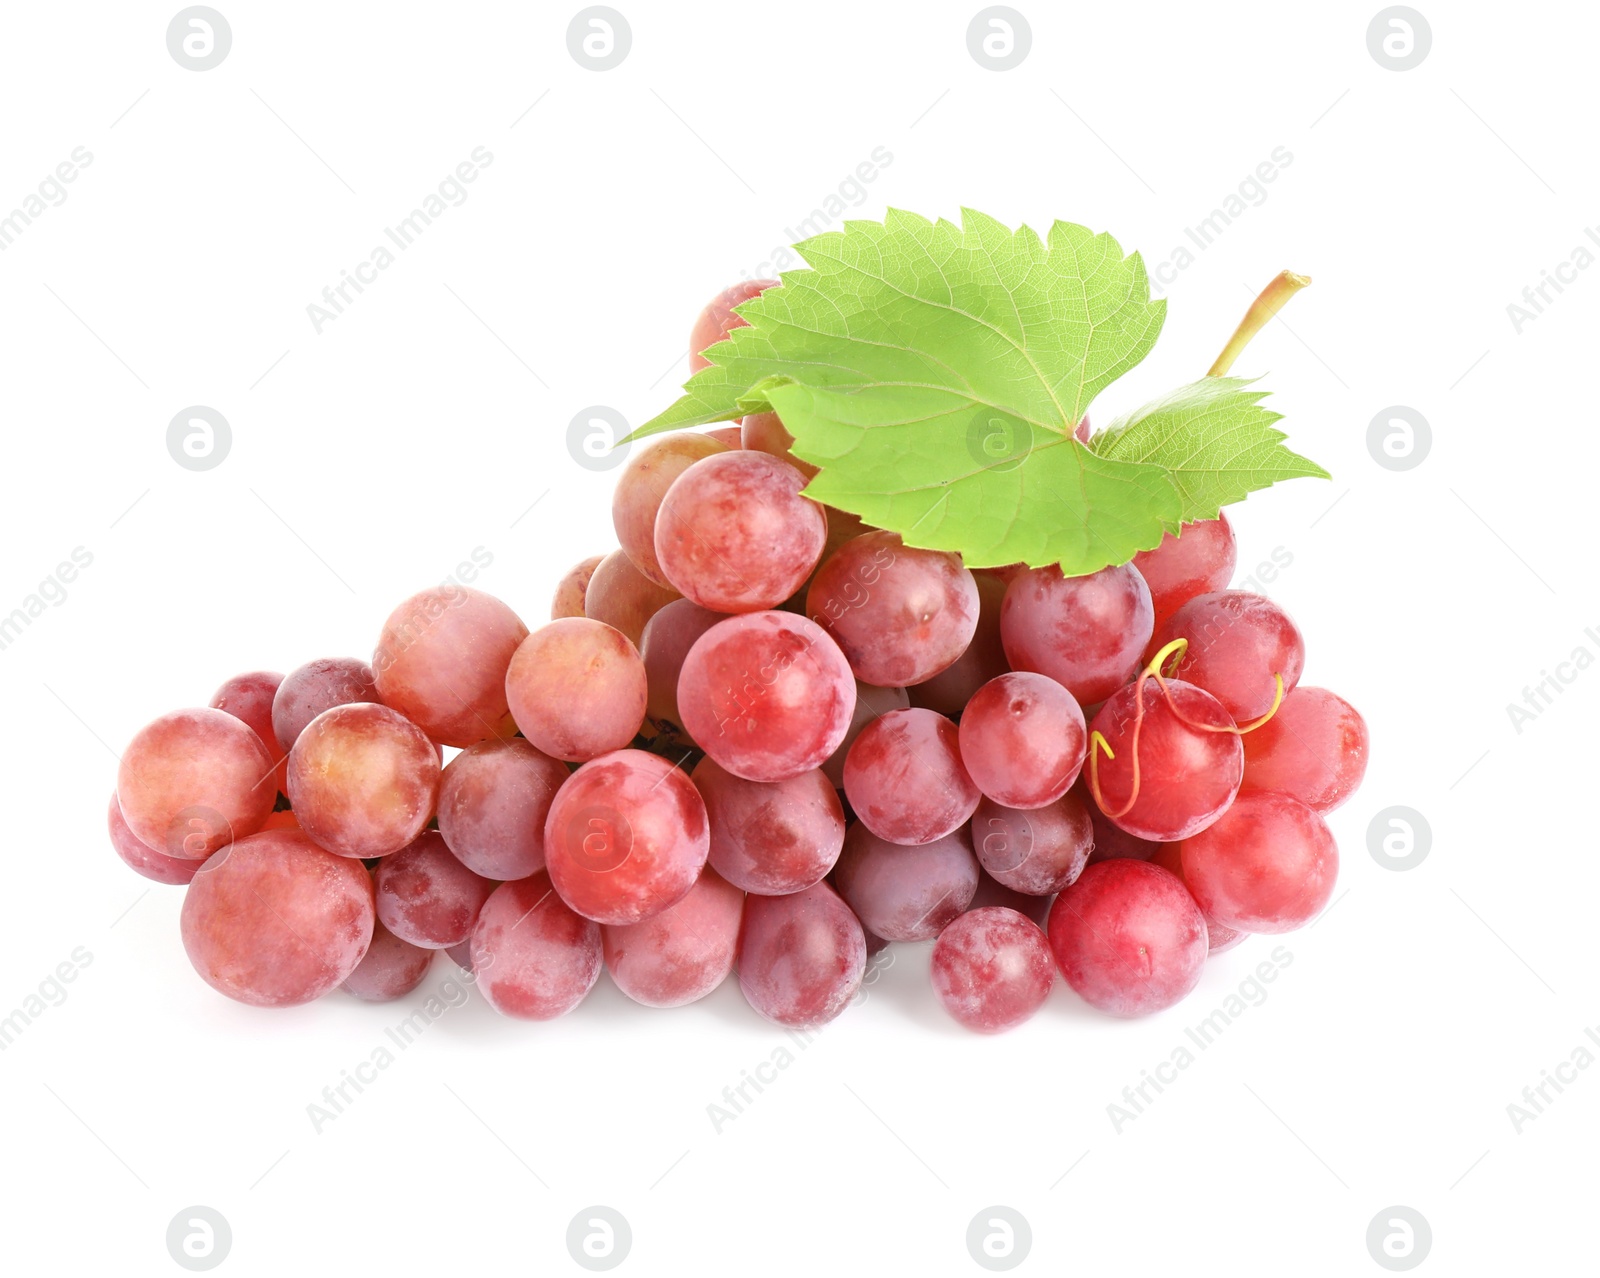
{"x": 308, "y": 690}
{"x": 426, "y": 896}
{"x": 948, "y": 692}
{"x": 1237, "y": 642}
{"x": 441, "y": 661}
{"x": 1314, "y": 748}
{"x": 1269, "y": 865}
{"x": 904, "y": 893}
{"x": 905, "y": 779}
{"x": 771, "y": 837}
{"x": 1086, "y": 633}
{"x": 767, "y": 695}
{"x": 572, "y": 588}
{"x": 728, "y": 436}
{"x": 900, "y": 615}
{"x": 717, "y": 319}
{"x": 668, "y": 636}
{"x": 643, "y": 486}
{"x": 1196, "y": 560}
{"x": 1219, "y": 939}
{"x": 681, "y": 954}
{"x": 623, "y": 597}
{"x": 766, "y": 433}
{"x": 275, "y": 921}
{"x": 734, "y": 534}
{"x": 992, "y": 969}
{"x": 577, "y": 689}
{"x": 1110, "y": 842}
{"x": 1039, "y": 851}
{"x": 872, "y": 703}
{"x": 801, "y": 957}
{"x": 363, "y": 780}
{"x": 391, "y": 968}
{"x": 992, "y": 892}
{"x": 194, "y": 780}
{"x": 1023, "y": 740}
{"x": 144, "y": 859}
{"x": 534, "y": 958}
{"x": 493, "y": 800}
{"x": 626, "y": 837}
{"x": 1128, "y": 937}
{"x": 248, "y": 698}
{"x": 1179, "y": 768}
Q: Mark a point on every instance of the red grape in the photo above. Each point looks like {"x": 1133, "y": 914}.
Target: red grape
{"x": 535, "y": 958}
{"x": 1086, "y": 633}
{"x": 801, "y": 957}
{"x": 1039, "y": 851}
{"x": 1269, "y": 865}
{"x": 391, "y": 968}
{"x": 717, "y": 319}
{"x": 871, "y": 704}
{"x": 1237, "y": 643}
{"x": 572, "y": 588}
{"x": 493, "y": 800}
{"x": 194, "y": 780}
{"x": 308, "y": 690}
{"x": 992, "y": 969}
{"x": 948, "y": 692}
{"x": 577, "y": 689}
{"x": 681, "y": 954}
{"x": 426, "y": 897}
{"x": 1196, "y": 560}
{"x": 623, "y": 597}
{"x": 771, "y": 837}
{"x": 906, "y": 893}
{"x": 668, "y": 636}
{"x": 992, "y": 892}
{"x": 626, "y": 837}
{"x": 1219, "y": 939}
{"x": 900, "y": 615}
{"x": 1314, "y": 748}
{"x": 766, "y": 433}
{"x": 144, "y": 859}
{"x": 734, "y": 534}
{"x": 1023, "y": 740}
{"x": 905, "y": 779}
{"x": 1171, "y": 770}
{"x": 767, "y": 695}
{"x": 727, "y": 436}
{"x": 248, "y": 697}
{"x": 1128, "y": 937}
{"x": 1110, "y": 842}
{"x": 275, "y": 921}
{"x": 441, "y": 661}
{"x": 363, "y": 780}
{"x": 643, "y": 486}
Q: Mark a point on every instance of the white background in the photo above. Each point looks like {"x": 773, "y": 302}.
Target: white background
{"x": 427, "y": 420}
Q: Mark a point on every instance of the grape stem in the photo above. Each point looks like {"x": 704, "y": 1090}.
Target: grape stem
{"x": 1284, "y": 286}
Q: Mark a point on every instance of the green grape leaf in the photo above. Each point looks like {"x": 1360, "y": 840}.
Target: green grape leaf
{"x": 1214, "y": 438}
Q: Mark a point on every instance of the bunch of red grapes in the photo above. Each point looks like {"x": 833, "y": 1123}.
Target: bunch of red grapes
{"x": 764, "y": 738}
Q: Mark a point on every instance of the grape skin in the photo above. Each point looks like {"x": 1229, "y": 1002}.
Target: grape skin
{"x": 904, "y": 893}
{"x": 1314, "y": 748}
{"x": 766, "y": 433}
{"x": 668, "y": 636}
{"x": 391, "y": 968}
{"x": 1237, "y": 642}
{"x": 801, "y": 957}
{"x": 1269, "y": 865}
{"x": 871, "y": 704}
{"x": 1023, "y": 740}
{"x": 143, "y": 859}
{"x": 1087, "y": 633}
{"x": 727, "y": 436}
{"x": 992, "y": 969}
{"x": 577, "y": 689}
{"x": 1128, "y": 938}
{"x": 626, "y": 837}
{"x": 642, "y": 487}
{"x": 734, "y": 535}
{"x": 984, "y": 658}
{"x": 273, "y": 920}
{"x": 426, "y": 897}
{"x": 1037, "y": 852}
{"x": 717, "y": 319}
{"x": 1199, "y": 559}
{"x": 681, "y": 954}
{"x": 193, "y": 780}
{"x": 1219, "y": 939}
{"x": 1110, "y": 842}
{"x": 992, "y": 892}
{"x": 766, "y": 694}
{"x": 493, "y": 800}
{"x": 905, "y": 779}
{"x": 534, "y": 957}
{"x": 900, "y": 615}
{"x": 441, "y": 662}
{"x": 308, "y": 690}
{"x": 770, "y": 837}
{"x": 572, "y": 588}
{"x": 363, "y": 780}
{"x": 623, "y": 597}
{"x": 249, "y": 698}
